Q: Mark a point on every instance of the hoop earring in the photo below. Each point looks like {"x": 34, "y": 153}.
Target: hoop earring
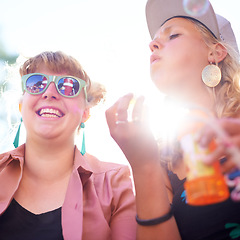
{"x": 211, "y": 75}
{"x": 16, "y": 139}
{"x": 83, "y": 150}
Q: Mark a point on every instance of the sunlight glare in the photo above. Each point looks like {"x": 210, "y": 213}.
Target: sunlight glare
{"x": 165, "y": 119}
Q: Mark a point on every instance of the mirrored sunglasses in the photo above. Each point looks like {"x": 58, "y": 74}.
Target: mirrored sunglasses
{"x": 67, "y": 86}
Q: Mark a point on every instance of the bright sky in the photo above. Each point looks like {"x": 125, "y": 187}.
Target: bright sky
{"x": 110, "y": 39}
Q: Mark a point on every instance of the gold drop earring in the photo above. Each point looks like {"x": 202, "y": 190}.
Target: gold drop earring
{"x": 211, "y": 75}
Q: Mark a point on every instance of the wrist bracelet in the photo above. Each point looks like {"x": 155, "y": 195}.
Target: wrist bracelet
{"x": 155, "y": 221}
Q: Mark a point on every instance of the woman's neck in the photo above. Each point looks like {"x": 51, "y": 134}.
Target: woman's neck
{"x": 197, "y": 98}
{"x": 46, "y": 172}
{"x": 48, "y": 161}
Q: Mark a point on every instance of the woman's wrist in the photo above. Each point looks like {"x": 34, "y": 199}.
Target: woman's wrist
{"x": 155, "y": 221}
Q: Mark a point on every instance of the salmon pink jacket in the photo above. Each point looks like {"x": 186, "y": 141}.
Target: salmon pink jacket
{"x": 99, "y": 202}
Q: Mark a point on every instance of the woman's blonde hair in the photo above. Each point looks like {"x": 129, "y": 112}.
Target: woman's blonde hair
{"x": 227, "y": 93}
{"x": 60, "y": 62}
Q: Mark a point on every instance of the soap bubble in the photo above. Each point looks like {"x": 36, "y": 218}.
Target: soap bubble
{"x": 196, "y": 8}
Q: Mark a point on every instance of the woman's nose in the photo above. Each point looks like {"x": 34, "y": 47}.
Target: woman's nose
{"x": 51, "y": 92}
{"x": 155, "y": 44}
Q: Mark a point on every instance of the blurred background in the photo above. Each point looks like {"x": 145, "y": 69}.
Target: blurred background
{"x": 110, "y": 39}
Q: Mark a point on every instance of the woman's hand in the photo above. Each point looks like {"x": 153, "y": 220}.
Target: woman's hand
{"x": 226, "y": 132}
{"x": 133, "y": 137}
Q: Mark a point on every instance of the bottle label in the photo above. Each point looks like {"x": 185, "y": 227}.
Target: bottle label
{"x": 193, "y": 155}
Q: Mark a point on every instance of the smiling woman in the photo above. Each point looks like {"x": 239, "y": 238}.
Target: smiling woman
{"x": 48, "y": 179}
{"x": 113, "y": 60}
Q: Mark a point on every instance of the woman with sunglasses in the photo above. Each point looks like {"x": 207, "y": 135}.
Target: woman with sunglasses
{"x": 183, "y": 46}
{"x": 49, "y": 189}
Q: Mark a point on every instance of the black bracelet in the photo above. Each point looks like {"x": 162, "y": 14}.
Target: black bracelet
{"x": 155, "y": 221}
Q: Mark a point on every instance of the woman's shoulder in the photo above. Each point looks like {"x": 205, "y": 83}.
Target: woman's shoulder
{"x": 99, "y": 166}
{"x": 114, "y": 177}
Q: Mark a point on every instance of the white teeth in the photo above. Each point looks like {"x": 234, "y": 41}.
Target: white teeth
{"x": 49, "y": 112}
{"x": 49, "y": 115}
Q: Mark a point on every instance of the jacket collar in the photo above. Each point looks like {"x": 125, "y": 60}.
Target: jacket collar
{"x": 80, "y": 162}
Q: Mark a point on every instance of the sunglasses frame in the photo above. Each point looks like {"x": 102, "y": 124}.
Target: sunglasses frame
{"x": 55, "y": 79}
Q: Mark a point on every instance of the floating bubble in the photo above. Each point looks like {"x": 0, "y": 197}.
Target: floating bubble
{"x": 196, "y": 8}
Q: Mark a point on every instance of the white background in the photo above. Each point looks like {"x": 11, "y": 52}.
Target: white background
{"x": 110, "y": 39}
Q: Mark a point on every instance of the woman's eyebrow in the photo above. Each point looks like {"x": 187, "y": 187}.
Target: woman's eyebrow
{"x": 164, "y": 31}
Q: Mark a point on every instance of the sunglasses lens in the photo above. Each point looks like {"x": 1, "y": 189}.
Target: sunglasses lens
{"x": 68, "y": 86}
{"x": 36, "y": 84}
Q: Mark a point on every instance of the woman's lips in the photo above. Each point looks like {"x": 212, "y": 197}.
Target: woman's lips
{"x": 154, "y": 58}
{"x": 50, "y": 112}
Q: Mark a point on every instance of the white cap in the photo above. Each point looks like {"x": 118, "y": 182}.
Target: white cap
{"x": 159, "y": 11}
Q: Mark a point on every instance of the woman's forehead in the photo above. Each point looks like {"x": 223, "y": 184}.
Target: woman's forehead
{"x": 176, "y": 22}
{"x": 50, "y": 70}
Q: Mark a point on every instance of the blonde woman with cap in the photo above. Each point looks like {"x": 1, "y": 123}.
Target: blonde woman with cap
{"x": 48, "y": 188}
{"x": 183, "y": 46}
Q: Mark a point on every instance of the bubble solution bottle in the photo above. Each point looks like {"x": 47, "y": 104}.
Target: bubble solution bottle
{"x": 205, "y": 184}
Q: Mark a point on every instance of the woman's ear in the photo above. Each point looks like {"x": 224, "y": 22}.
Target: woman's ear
{"x": 217, "y": 54}
{"x": 86, "y": 115}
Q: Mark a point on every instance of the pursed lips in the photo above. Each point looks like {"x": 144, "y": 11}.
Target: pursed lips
{"x": 50, "y": 112}
{"x": 154, "y": 58}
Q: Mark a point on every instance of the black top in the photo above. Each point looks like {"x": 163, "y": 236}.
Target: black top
{"x": 211, "y": 222}
{"x": 17, "y": 223}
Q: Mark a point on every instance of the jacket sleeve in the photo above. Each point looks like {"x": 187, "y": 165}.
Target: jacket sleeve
{"x": 123, "y": 225}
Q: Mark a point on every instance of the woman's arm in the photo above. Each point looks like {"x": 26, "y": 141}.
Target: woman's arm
{"x": 140, "y": 148}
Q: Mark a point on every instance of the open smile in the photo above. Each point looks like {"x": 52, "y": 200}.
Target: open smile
{"x": 50, "y": 113}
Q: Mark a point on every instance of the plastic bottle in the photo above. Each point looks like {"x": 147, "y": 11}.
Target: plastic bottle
{"x": 204, "y": 184}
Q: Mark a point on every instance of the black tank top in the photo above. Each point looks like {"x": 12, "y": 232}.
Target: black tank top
{"x": 211, "y": 222}
{"x": 17, "y": 223}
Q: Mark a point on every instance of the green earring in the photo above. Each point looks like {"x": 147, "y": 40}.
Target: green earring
{"x": 16, "y": 139}
{"x": 83, "y": 150}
